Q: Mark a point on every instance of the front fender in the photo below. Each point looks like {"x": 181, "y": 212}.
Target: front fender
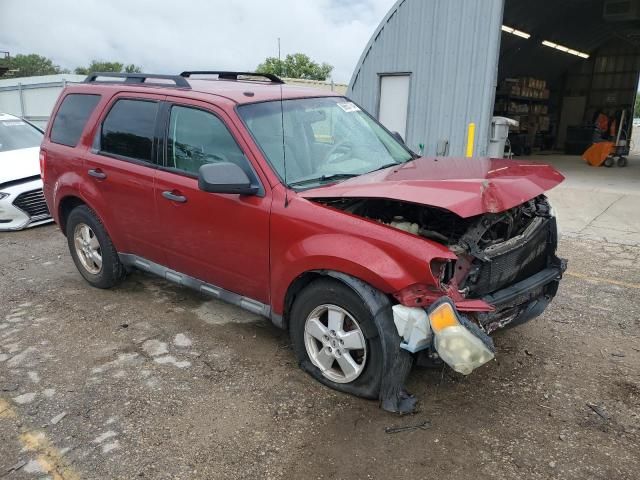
{"x": 385, "y": 269}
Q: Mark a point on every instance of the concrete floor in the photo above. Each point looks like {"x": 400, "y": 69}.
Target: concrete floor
{"x": 597, "y": 203}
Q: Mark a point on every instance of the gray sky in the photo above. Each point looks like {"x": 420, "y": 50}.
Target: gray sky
{"x": 170, "y": 36}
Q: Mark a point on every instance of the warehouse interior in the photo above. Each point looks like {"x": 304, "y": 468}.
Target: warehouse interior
{"x": 562, "y": 66}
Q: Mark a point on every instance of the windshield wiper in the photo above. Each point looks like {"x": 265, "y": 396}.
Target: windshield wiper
{"x": 388, "y": 165}
{"x": 324, "y": 178}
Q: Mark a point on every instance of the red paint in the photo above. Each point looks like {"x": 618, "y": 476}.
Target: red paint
{"x": 465, "y": 186}
{"x": 257, "y": 246}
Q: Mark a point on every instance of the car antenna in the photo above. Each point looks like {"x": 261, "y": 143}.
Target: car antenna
{"x": 284, "y": 150}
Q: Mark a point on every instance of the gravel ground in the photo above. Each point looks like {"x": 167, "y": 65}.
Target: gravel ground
{"x": 154, "y": 381}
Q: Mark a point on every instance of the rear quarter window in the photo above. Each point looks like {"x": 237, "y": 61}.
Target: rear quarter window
{"x": 72, "y": 117}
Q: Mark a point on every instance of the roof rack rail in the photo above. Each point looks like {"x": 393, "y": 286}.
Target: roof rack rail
{"x": 223, "y": 75}
{"x": 140, "y": 78}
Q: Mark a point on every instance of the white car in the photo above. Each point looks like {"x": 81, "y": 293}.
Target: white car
{"x": 22, "y": 203}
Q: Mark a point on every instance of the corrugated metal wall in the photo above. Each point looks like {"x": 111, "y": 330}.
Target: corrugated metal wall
{"x": 33, "y": 98}
{"x": 451, "y": 49}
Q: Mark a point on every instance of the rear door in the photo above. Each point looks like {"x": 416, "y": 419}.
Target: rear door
{"x": 120, "y": 174}
{"x": 222, "y": 239}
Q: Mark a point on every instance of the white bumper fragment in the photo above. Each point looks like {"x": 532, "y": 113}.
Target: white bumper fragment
{"x": 413, "y": 326}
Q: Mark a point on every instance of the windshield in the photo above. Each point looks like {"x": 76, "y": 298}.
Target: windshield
{"x": 16, "y": 134}
{"x": 324, "y": 139}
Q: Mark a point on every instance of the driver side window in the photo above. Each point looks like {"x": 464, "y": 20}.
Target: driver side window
{"x": 196, "y": 138}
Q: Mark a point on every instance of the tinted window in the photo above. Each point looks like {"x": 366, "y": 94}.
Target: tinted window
{"x": 72, "y": 117}
{"x": 16, "y": 134}
{"x": 128, "y": 129}
{"x": 197, "y": 137}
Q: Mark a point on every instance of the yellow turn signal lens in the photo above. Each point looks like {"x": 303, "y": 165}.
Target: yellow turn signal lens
{"x": 442, "y": 317}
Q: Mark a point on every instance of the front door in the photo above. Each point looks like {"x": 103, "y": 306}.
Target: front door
{"x": 120, "y": 171}
{"x": 222, "y": 239}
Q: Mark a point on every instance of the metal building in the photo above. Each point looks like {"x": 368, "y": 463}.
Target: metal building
{"x": 33, "y": 98}
{"x": 432, "y": 67}
{"x": 436, "y": 60}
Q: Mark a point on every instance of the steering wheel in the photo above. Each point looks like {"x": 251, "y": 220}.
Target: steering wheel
{"x": 340, "y": 149}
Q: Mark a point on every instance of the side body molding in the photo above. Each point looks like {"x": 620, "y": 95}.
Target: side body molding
{"x": 249, "y": 304}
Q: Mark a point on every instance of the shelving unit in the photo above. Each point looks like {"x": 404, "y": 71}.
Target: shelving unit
{"x": 525, "y": 100}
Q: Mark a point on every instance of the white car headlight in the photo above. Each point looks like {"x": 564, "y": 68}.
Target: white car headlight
{"x": 3, "y": 195}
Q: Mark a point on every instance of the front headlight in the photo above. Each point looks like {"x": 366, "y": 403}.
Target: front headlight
{"x": 3, "y": 195}
{"x": 457, "y": 345}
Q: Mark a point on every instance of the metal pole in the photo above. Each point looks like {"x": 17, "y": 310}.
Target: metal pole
{"x": 21, "y": 100}
{"x": 279, "y": 59}
{"x": 624, "y": 112}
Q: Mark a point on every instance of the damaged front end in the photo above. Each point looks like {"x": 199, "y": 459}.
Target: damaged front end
{"x": 506, "y": 273}
{"x": 460, "y": 343}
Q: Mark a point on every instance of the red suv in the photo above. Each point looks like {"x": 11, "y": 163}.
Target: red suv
{"x": 299, "y": 206}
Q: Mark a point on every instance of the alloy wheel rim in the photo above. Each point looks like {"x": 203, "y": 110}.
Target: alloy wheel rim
{"x": 88, "y": 248}
{"x": 335, "y": 343}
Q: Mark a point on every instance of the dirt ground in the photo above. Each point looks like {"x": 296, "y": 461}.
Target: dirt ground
{"x": 154, "y": 381}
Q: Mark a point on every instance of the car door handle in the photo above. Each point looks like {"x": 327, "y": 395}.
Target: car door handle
{"x": 97, "y": 173}
{"x": 174, "y": 197}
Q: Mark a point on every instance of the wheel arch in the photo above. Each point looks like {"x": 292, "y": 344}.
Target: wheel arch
{"x": 65, "y": 207}
{"x": 373, "y": 297}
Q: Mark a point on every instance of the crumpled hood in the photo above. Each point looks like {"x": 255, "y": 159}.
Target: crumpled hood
{"x": 464, "y": 186}
{"x": 19, "y": 164}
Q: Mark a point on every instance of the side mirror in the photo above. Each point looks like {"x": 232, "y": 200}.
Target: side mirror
{"x": 398, "y": 137}
{"x": 225, "y": 177}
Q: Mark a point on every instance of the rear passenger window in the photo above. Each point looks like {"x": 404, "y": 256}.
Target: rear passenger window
{"x": 127, "y": 131}
{"x": 72, "y": 117}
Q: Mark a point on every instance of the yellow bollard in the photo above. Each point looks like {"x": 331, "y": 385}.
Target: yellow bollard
{"x": 471, "y": 138}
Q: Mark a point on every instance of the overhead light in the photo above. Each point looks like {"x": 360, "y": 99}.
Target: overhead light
{"x": 564, "y": 49}
{"x": 513, "y": 31}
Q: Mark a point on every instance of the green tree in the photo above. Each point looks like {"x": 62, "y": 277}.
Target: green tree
{"x": 297, "y": 65}
{"x": 100, "y": 66}
{"x": 31, "y": 65}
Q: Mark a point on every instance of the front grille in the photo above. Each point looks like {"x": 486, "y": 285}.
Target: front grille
{"x": 33, "y": 204}
{"x": 521, "y": 260}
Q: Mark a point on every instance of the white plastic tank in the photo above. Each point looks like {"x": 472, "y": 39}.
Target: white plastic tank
{"x": 499, "y": 135}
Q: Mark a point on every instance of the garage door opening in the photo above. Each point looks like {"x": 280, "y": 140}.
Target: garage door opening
{"x": 568, "y": 73}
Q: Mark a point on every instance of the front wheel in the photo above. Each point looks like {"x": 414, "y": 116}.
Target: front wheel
{"x": 335, "y": 338}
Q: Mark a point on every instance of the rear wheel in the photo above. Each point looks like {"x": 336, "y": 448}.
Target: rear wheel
{"x": 336, "y": 339}
{"x": 609, "y": 162}
{"x": 92, "y": 250}
{"x": 622, "y": 161}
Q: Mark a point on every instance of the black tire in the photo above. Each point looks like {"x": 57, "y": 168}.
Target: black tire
{"x": 331, "y": 291}
{"x": 112, "y": 272}
{"x": 609, "y": 162}
{"x": 622, "y": 162}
